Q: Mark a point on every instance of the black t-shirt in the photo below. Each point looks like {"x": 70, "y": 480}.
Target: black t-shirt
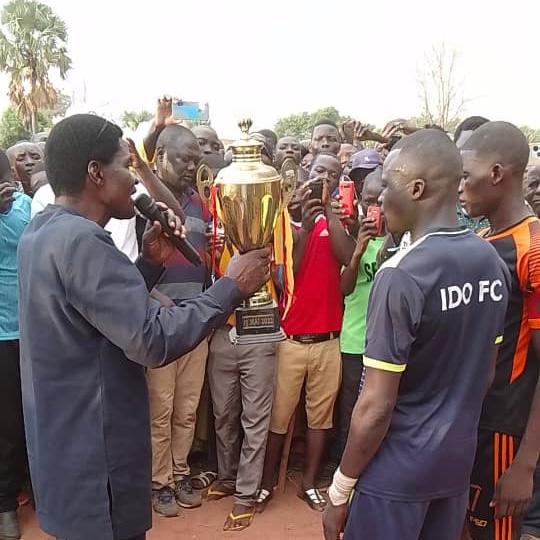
{"x": 435, "y": 313}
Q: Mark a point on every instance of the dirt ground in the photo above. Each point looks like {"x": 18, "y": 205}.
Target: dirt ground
{"x": 285, "y": 518}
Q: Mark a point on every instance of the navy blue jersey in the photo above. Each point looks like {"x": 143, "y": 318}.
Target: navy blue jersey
{"x": 436, "y": 312}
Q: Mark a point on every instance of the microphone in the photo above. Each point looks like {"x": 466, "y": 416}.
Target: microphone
{"x": 151, "y": 211}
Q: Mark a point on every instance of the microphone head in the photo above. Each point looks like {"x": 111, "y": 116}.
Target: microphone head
{"x": 144, "y": 204}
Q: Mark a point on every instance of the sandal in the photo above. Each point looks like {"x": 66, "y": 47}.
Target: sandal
{"x": 234, "y": 518}
{"x": 203, "y": 480}
{"x": 218, "y": 492}
{"x": 262, "y": 498}
{"x": 314, "y": 499}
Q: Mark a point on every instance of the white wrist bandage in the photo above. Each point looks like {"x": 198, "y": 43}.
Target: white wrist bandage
{"x": 340, "y": 490}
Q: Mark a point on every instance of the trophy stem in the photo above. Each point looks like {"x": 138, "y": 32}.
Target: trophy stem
{"x": 263, "y": 297}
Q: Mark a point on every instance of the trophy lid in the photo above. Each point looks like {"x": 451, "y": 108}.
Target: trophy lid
{"x": 247, "y": 166}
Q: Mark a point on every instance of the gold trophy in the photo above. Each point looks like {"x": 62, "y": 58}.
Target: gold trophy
{"x": 250, "y": 199}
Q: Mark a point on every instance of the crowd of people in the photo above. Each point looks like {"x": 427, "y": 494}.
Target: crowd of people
{"x": 412, "y": 343}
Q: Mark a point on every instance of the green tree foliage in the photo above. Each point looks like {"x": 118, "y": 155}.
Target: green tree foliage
{"x": 32, "y": 44}
{"x": 11, "y": 128}
{"x": 132, "y": 119}
{"x": 300, "y": 125}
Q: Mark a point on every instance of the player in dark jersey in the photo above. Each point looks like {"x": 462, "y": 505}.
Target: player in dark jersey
{"x": 434, "y": 321}
{"x": 494, "y": 160}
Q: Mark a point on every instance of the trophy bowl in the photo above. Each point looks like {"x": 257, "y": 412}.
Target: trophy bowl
{"x": 249, "y": 199}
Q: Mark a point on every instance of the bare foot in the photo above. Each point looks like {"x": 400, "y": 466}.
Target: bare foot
{"x": 240, "y": 518}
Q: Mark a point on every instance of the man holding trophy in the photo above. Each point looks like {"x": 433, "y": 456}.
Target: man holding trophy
{"x": 249, "y": 198}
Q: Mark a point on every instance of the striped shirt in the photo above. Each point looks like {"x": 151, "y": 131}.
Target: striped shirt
{"x": 182, "y": 280}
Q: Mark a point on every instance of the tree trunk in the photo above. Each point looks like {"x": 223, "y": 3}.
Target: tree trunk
{"x": 34, "y": 122}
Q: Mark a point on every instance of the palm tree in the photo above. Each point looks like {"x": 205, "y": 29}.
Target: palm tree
{"x": 32, "y": 42}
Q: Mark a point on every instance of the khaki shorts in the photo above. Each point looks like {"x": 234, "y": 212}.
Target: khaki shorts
{"x": 319, "y": 364}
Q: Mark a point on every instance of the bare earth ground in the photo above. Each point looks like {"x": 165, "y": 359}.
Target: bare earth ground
{"x": 285, "y": 518}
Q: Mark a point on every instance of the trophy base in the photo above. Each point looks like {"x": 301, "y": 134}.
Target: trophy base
{"x": 257, "y": 325}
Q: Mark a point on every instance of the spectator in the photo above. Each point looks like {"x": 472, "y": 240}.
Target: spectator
{"x": 462, "y": 134}
{"x": 345, "y": 152}
{"x": 208, "y": 140}
{"x": 270, "y": 139}
{"x": 306, "y": 162}
{"x": 356, "y": 281}
{"x": 494, "y": 160}
{"x": 175, "y": 390}
{"x": 25, "y": 158}
{"x": 325, "y": 137}
{"x": 287, "y": 147}
{"x": 531, "y": 188}
{"x": 466, "y": 129}
{"x": 14, "y": 216}
{"x": 363, "y": 163}
{"x": 241, "y": 383}
{"x": 311, "y": 352}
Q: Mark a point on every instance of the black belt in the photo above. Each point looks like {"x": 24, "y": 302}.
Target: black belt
{"x": 315, "y": 338}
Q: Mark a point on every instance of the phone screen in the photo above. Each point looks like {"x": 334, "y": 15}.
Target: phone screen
{"x": 316, "y": 190}
{"x": 190, "y": 110}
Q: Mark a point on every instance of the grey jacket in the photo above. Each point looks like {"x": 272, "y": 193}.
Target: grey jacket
{"x": 88, "y": 329}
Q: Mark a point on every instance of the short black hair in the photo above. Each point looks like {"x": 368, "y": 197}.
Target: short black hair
{"x": 469, "y": 124}
{"x": 504, "y": 143}
{"x": 325, "y": 154}
{"x": 323, "y": 122}
{"x": 5, "y": 166}
{"x": 269, "y": 134}
{"x": 72, "y": 144}
{"x": 431, "y": 155}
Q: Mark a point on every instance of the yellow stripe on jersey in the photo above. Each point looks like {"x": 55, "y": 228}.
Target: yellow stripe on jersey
{"x": 384, "y": 366}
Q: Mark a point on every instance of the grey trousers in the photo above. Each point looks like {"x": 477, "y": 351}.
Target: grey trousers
{"x": 241, "y": 382}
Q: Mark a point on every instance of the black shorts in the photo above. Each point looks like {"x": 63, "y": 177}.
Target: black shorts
{"x": 495, "y": 453}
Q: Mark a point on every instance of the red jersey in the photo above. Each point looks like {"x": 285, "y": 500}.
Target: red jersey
{"x": 317, "y": 303}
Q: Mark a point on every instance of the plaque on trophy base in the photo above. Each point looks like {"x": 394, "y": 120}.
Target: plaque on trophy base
{"x": 257, "y": 324}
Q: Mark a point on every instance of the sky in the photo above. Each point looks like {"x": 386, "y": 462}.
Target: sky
{"x": 270, "y": 59}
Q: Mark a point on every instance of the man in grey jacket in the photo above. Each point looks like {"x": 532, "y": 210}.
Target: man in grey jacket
{"x": 88, "y": 330}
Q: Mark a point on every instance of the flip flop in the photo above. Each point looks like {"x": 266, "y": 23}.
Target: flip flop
{"x": 262, "y": 498}
{"x": 214, "y": 494}
{"x": 234, "y": 518}
{"x": 203, "y": 480}
{"x": 314, "y": 499}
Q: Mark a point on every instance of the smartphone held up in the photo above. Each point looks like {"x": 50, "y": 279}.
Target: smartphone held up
{"x": 190, "y": 110}
{"x": 347, "y": 194}
{"x": 374, "y": 213}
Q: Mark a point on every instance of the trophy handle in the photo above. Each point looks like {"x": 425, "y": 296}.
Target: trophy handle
{"x": 289, "y": 175}
{"x": 205, "y": 181}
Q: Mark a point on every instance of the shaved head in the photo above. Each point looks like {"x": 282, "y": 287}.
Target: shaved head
{"x": 427, "y": 154}
{"x": 501, "y": 142}
{"x": 171, "y": 134}
{"x": 177, "y": 158}
{"x": 494, "y": 162}
{"x": 420, "y": 181}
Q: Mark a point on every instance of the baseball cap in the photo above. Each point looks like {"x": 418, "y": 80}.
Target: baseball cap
{"x": 366, "y": 159}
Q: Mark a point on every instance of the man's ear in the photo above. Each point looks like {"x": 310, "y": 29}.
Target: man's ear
{"x": 497, "y": 173}
{"x": 416, "y": 188}
{"x": 95, "y": 172}
{"x": 160, "y": 157}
